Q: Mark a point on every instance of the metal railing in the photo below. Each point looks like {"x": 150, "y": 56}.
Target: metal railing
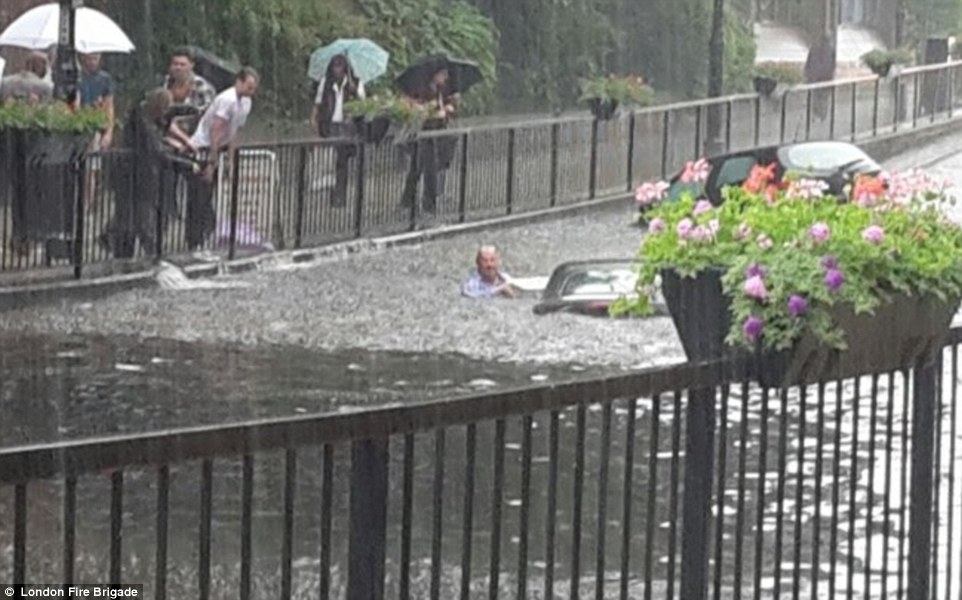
{"x": 680, "y": 482}
{"x": 313, "y": 192}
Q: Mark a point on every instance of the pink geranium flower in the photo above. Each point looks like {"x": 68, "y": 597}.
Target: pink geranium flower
{"x": 696, "y": 171}
{"x": 650, "y": 193}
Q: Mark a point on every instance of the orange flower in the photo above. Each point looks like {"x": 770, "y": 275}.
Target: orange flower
{"x": 759, "y": 178}
{"x": 867, "y": 190}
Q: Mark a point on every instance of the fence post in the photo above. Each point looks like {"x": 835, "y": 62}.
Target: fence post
{"x": 301, "y": 190}
{"x": 463, "y": 183}
{"x": 368, "y": 519}
{"x": 951, "y": 91}
{"x": 897, "y": 107}
{"x": 631, "y": 152}
{"x": 875, "y": 109}
{"x": 593, "y": 163}
{"x": 698, "y": 122}
{"x": 509, "y": 191}
{"x": 162, "y": 194}
{"x": 758, "y": 120}
{"x": 916, "y": 101}
{"x": 924, "y": 401}
{"x": 728, "y": 127}
{"x": 234, "y": 203}
{"x": 696, "y": 507}
{"x": 359, "y": 207}
{"x": 782, "y": 124}
{"x": 416, "y": 148}
{"x": 808, "y": 115}
{"x": 854, "y": 111}
{"x": 665, "y": 140}
{"x": 834, "y": 107}
{"x": 555, "y": 134}
{"x": 78, "y": 166}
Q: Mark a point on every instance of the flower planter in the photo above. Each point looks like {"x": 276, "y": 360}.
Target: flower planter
{"x": 764, "y": 85}
{"x": 899, "y": 335}
{"x": 373, "y": 131}
{"x": 603, "y": 110}
{"x": 42, "y": 171}
{"x": 882, "y": 70}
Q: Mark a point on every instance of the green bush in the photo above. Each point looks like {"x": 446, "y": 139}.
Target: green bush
{"x": 780, "y": 73}
{"x": 52, "y": 117}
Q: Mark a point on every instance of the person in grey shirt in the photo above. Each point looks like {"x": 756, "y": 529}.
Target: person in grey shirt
{"x": 28, "y": 85}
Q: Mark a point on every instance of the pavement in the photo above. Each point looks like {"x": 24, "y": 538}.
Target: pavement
{"x": 406, "y": 298}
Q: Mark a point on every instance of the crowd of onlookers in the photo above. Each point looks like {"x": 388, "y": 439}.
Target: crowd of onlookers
{"x": 182, "y": 130}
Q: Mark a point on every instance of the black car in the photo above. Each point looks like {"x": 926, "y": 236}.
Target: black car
{"x": 835, "y": 163}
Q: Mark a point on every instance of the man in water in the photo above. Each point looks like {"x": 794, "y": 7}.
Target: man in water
{"x": 488, "y": 281}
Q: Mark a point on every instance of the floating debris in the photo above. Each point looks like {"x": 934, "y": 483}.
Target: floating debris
{"x": 130, "y": 368}
{"x": 482, "y": 383}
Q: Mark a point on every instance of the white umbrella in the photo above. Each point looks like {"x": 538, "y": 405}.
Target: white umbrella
{"x": 37, "y": 29}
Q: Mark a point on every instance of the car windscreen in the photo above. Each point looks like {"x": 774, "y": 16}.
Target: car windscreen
{"x": 601, "y": 281}
{"x": 822, "y": 157}
{"x": 677, "y": 189}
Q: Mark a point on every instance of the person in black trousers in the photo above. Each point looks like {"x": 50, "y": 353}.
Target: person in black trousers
{"x": 431, "y": 157}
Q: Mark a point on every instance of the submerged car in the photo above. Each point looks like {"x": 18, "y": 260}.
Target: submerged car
{"x": 835, "y": 163}
{"x": 589, "y": 286}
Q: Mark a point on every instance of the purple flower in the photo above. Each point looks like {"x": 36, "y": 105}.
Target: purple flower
{"x": 820, "y": 233}
{"x": 873, "y": 235}
{"x": 753, "y": 327}
{"x": 684, "y": 228}
{"x": 657, "y": 225}
{"x": 702, "y": 234}
{"x": 797, "y": 305}
{"x": 755, "y": 288}
{"x": 834, "y": 280}
{"x": 702, "y": 207}
{"x": 829, "y": 262}
{"x": 755, "y": 270}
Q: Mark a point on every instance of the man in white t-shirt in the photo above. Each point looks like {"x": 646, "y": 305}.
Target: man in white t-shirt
{"x": 217, "y": 133}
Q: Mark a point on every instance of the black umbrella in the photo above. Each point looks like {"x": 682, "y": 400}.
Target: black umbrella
{"x": 462, "y": 74}
{"x": 219, "y": 72}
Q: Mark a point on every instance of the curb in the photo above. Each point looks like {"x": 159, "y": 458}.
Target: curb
{"x": 882, "y": 148}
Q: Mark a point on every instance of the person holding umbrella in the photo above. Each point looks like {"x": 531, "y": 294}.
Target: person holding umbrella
{"x": 341, "y": 69}
{"x": 338, "y": 86}
{"x": 430, "y": 158}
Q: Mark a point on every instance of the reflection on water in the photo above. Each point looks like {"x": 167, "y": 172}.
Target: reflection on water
{"x": 66, "y": 387}
{"x": 824, "y": 510}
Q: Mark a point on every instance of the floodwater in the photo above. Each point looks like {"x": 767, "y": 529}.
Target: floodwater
{"x": 59, "y": 387}
{"x": 836, "y": 468}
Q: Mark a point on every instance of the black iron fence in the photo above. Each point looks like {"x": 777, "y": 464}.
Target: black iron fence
{"x": 304, "y": 193}
{"x": 681, "y": 482}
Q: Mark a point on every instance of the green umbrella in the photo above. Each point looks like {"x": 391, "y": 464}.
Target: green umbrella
{"x": 368, "y": 60}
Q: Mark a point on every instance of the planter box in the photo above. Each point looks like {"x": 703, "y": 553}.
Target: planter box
{"x": 899, "y": 335}
{"x": 603, "y": 110}
{"x": 43, "y": 174}
{"x": 764, "y": 85}
{"x": 882, "y": 70}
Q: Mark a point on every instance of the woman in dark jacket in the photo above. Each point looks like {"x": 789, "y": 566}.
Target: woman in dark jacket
{"x": 145, "y": 191}
{"x": 338, "y": 87}
{"x": 432, "y": 156}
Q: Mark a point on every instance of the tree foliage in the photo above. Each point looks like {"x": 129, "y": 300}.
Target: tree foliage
{"x": 533, "y": 52}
